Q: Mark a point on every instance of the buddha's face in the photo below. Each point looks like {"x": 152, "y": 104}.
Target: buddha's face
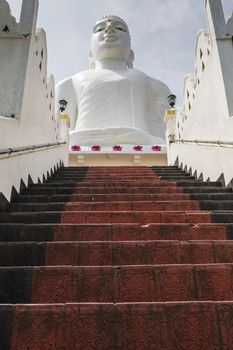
{"x": 110, "y": 40}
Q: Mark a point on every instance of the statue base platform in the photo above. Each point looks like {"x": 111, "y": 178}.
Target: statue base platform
{"x": 126, "y": 157}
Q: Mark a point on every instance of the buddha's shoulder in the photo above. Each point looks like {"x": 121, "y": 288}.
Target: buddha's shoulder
{"x": 151, "y": 82}
{"x": 86, "y": 74}
{"x": 158, "y": 85}
{"x": 64, "y": 83}
{"x": 74, "y": 78}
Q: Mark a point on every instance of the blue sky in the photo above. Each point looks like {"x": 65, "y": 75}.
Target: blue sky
{"x": 162, "y": 31}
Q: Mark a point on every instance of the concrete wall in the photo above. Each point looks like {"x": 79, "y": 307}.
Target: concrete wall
{"x": 27, "y": 114}
{"x": 26, "y": 94}
{"x": 207, "y": 113}
{"x": 206, "y": 161}
{"x": 35, "y": 166}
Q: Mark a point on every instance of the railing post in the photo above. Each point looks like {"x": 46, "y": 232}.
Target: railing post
{"x": 28, "y": 16}
{"x": 170, "y": 121}
{"x": 224, "y": 52}
{"x": 216, "y": 19}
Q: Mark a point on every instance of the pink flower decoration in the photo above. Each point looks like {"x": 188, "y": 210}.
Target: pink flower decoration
{"x": 75, "y": 148}
{"x": 117, "y": 148}
{"x": 96, "y": 148}
{"x": 156, "y": 148}
{"x": 138, "y": 148}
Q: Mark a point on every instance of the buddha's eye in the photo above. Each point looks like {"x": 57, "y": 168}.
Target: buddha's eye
{"x": 121, "y": 29}
{"x": 99, "y": 29}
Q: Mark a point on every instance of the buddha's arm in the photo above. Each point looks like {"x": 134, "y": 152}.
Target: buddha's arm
{"x": 157, "y": 104}
{"x": 65, "y": 90}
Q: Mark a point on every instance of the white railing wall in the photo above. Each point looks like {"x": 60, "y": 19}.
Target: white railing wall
{"x": 27, "y": 113}
{"x": 207, "y": 113}
{"x": 35, "y": 165}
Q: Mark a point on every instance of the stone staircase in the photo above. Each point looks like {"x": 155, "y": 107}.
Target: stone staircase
{"x": 112, "y": 258}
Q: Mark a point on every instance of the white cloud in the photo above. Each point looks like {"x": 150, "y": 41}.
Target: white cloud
{"x": 153, "y": 15}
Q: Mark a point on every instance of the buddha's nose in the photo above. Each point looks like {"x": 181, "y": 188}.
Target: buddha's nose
{"x": 109, "y": 28}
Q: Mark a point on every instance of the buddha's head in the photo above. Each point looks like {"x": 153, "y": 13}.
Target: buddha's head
{"x": 111, "y": 40}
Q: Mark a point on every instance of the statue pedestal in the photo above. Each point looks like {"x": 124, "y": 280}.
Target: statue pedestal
{"x": 126, "y": 157}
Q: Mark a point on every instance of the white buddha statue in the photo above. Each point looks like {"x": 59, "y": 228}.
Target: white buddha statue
{"x": 113, "y": 103}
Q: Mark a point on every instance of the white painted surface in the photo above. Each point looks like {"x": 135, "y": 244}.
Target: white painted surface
{"x": 207, "y": 113}
{"x": 212, "y": 162}
{"x": 125, "y": 148}
{"x": 112, "y": 102}
{"x": 35, "y": 164}
{"x": 25, "y": 90}
{"x": 27, "y": 114}
{"x": 117, "y": 159}
{"x": 230, "y": 25}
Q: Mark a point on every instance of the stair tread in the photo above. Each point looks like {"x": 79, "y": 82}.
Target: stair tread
{"x": 115, "y": 253}
{"x": 110, "y": 205}
{"x": 117, "y": 283}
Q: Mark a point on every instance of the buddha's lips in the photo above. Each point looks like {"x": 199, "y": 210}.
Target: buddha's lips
{"x": 110, "y": 38}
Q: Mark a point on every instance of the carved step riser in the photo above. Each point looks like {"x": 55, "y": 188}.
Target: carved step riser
{"x": 115, "y": 253}
{"x": 100, "y": 232}
{"x": 42, "y": 285}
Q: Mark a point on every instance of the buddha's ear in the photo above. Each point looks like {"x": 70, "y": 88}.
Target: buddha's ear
{"x": 91, "y": 60}
{"x": 130, "y": 59}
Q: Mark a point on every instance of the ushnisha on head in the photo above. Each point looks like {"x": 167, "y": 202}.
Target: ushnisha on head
{"x": 111, "y": 40}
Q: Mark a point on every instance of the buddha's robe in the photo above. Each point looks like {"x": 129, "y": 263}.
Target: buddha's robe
{"x": 109, "y": 107}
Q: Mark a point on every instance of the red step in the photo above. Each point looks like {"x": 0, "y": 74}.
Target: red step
{"x": 149, "y": 283}
{"x": 141, "y": 217}
{"x": 108, "y": 232}
{"x": 126, "y": 184}
{"x": 127, "y": 197}
{"x": 133, "y": 206}
{"x": 138, "y": 253}
{"x": 127, "y": 190}
{"x": 160, "y": 326}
